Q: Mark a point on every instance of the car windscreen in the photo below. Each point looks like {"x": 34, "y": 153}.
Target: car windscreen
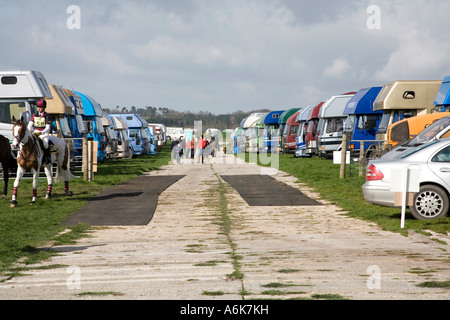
{"x": 416, "y": 149}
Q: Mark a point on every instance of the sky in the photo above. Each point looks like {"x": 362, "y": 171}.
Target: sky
{"x": 221, "y": 56}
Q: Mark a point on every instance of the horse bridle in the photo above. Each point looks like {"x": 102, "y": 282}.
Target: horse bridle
{"x": 19, "y": 138}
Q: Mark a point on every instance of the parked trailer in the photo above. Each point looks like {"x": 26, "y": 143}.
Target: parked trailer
{"x": 301, "y": 134}
{"x": 282, "y": 119}
{"x": 19, "y": 93}
{"x": 92, "y": 118}
{"x": 289, "y": 135}
{"x": 331, "y": 124}
{"x": 403, "y": 99}
{"x": 362, "y": 121}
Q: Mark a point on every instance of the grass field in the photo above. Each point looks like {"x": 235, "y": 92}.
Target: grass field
{"x": 25, "y": 228}
{"x": 323, "y": 176}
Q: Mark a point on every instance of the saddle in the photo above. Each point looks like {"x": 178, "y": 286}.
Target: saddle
{"x": 51, "y": 146}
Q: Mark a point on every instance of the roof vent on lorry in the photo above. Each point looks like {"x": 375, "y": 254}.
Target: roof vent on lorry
{"x": 409, "y": 95}
{"x": 9, "y": 80}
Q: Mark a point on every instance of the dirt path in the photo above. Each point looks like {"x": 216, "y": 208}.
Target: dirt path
{"x": 205, "y": 242}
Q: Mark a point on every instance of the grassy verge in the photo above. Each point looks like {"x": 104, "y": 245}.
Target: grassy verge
{"x": 323, "y": 176}
{"x": 25, "y": 228}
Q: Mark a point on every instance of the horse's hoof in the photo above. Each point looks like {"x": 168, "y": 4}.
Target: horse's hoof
{"x": 13, "y": 204}
{"x": 69, "y": 193}
{"x": 4, "y": 196}
{"x": 32, "y": 202}
{"x": 47, "y": 196}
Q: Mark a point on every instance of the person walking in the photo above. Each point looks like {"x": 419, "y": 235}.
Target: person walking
{"x": 192, "y": 148}
{"x": 201, "y": 148}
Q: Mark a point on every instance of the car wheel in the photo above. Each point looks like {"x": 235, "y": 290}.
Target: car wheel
{"x": 429, "y": 203}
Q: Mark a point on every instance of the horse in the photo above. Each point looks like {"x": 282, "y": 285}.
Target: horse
{"x": 30, "y": 158}
{"x": 5, "y": 160}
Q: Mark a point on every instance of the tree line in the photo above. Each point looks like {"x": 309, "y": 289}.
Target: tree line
{"x": 186, "y": 119}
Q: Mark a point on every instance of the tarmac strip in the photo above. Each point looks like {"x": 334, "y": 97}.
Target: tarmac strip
{"x": 129, "y": 203}
{"x": 264, "y": 190}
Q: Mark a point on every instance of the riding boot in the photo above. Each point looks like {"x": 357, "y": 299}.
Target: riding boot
{"x": 47, "y": 157}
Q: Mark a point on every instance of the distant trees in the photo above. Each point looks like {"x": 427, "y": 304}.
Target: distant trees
{"x": 186, "y": 119}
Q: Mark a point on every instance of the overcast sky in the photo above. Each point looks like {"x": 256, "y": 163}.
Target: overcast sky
{"x": 225, "y": 55}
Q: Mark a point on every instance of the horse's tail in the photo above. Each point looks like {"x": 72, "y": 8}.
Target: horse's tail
{"x": 65, "y": 166}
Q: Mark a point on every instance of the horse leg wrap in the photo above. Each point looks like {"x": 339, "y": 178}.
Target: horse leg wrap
{"x": 34, "y": 196}
{"x": 14, "y": 196}
{"x": 66, "y": 189}
{"x": 49, "y": 191}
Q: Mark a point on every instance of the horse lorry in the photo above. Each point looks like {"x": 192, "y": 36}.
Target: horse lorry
{"x": 92, "y": 119}
{"x": 400, "y": 100}
{"x": 362, "y": 121}
{"x": 331, "y": 124}
{"x": 120, "y": 128}
{"x": 137, "y": 133}
{"x": 19, "y": 93}
{"x": 252, "y": 129}
{"x": 271, "y": 132}
{"x": 311, "y": 135}
{"x": 404, "y": 130}
{"x": 288, "y": 130}
{"x": 111, "y": 140}
{"x": 442, "y": 100}
{"x": 77, "y": 126}
{"x": 301, "y": 134}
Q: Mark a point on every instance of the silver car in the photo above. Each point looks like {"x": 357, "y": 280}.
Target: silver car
{"x": 433, "y": 158}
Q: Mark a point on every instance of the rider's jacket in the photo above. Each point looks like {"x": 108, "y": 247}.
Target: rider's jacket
{"x": 40, "y": 120}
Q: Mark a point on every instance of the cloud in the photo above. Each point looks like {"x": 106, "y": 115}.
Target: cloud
{"x": 338, "y": 69}
{"x": 415, "y": 60}
{"x": 221, "y": 56}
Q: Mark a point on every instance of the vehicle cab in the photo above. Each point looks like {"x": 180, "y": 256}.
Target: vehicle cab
{"x": 120, "y": 128}
{"x": 362, "y": 121}
{"x": 331, "y": 124}
{"x": 137, "y": 132}
{"x": 301, "y": 134}
{"x": 93, "y": 122}
{"x": 19, "y": 93}
{"x": 400, "y": 100}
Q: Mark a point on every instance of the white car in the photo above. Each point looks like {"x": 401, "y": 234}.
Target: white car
{"x": 433, "y": 158}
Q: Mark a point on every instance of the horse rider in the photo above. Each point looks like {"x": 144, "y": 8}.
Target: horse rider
{"x": 39, "y": 125}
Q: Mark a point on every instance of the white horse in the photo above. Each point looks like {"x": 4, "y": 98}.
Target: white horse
{"x": 30, "y": 158}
